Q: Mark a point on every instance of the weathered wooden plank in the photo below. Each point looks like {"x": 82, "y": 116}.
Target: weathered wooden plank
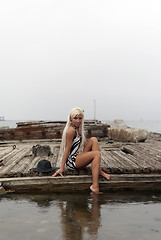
{"x": 8, "y": 158}
{"x": 148, "y": 149}
{"x": 134, "y": 160}
{"x": 127, "y": 160}
{"x": 143, "y": 156}
{"x": 123, "y": 161}
{"x": 145, "y": 160}
{"x": 7, "y": 152}
{"x": 19, "y": 167}
{"x": 50, "y": 130}
{"x": 107, "y": 160}
{"x": 4, "y": 150}
{"x": 32, "y": 164}
{"x": 81, "y": 183}
{"x": 119, "y": 162}
{"x": 15, "y": 160}
{"x": 24, "y": 165}
{"x": 154, "y": 152}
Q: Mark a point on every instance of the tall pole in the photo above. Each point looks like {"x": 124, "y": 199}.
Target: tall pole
{"x": 94, "y": 109}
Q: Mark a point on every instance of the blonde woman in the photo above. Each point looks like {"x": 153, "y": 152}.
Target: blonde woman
{"x": 76, "y": 152}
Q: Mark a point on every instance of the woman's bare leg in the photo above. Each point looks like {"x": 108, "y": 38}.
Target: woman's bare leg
{"x": 95, "y": 165}
{"x": 103, "y": 174}
{"x": 93, "y": 157}
{"x": 93, "y": 145}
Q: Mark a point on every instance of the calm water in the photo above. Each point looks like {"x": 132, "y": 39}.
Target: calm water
{"x": 151, "y": 126}
{"x": 109, "y": 216}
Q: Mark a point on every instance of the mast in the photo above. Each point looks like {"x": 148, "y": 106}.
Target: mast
{"x": 94, "y": 109}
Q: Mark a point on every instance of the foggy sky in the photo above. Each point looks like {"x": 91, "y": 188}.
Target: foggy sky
{"x": 58, "y": 54}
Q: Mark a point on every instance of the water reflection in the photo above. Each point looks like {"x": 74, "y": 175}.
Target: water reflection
{"x": 80, "y": 216}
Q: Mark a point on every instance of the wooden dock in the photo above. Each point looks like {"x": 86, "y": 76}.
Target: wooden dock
{"x": 135, "y": 166}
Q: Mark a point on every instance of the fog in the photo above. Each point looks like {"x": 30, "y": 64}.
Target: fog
{"x": 55, "y": 55}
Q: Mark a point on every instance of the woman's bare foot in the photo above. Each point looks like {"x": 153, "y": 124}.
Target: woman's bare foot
{"x": 107, "y": 176}
{"x": 95, "y": 190}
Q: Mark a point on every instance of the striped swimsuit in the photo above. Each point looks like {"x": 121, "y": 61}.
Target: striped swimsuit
{"x": 70, "y": 162}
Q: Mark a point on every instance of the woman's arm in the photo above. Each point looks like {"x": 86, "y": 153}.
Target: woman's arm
{"x": 69, "y": 138}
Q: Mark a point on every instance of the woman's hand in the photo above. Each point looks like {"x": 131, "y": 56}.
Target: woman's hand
{"x": 59, "y": 171}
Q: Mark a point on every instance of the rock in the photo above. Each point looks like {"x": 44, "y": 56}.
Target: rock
{"x": 118, "y": 124}
{"x": 120, "y": 132}
{"x": 128, "y": 134}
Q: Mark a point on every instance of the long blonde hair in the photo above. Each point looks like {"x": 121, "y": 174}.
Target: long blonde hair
{"x": 74, "y": 112}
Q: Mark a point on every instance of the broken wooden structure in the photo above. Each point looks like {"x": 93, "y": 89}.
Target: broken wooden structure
{"x": 49, "y": 130}
{"x": 133, "y": 166}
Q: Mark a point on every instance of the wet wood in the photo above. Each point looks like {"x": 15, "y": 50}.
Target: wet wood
{"x": 138, "y": 182}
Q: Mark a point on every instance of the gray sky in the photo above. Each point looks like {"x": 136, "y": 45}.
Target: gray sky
{"x": 58, "y": 54}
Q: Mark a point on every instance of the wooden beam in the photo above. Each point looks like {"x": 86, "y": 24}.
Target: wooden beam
{"x": 81, "y": 183}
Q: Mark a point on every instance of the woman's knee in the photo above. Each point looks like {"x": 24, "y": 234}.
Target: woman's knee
{"x": 93, "y": 140}
{"x": 97, "y": 155}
